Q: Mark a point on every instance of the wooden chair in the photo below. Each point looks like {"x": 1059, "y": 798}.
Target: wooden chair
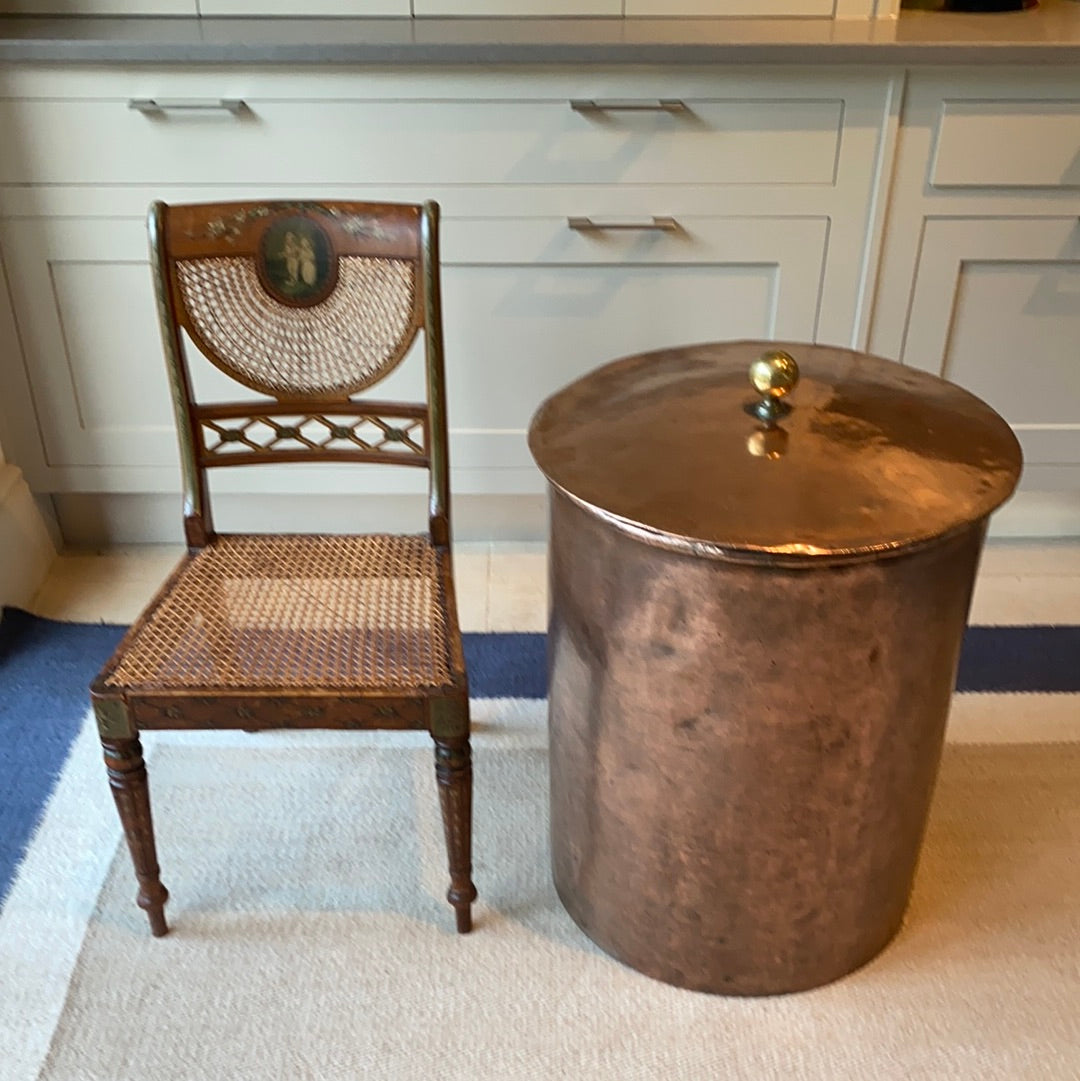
{"x": 310, "y": 304}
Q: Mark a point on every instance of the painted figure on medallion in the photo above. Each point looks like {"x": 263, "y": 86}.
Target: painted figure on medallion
{"x": 297, "y": 265}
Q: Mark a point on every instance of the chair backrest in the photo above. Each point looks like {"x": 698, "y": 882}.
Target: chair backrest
{"x": 308, "y": 303}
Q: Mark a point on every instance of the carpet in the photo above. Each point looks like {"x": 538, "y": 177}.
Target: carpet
{"x": 311, "y": 939}
{"x": 46, "y": 666}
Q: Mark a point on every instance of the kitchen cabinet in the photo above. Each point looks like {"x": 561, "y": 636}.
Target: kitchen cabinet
{"x": 980, "y": 277}
{"x": 586, "y": 215}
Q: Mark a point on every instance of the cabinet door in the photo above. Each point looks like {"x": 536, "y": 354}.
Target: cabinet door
{"x": 87, "y": 322}
{"x": 309, "y": 8}
{"x": 529, "y": 304}
{"x": 996, "y": 308}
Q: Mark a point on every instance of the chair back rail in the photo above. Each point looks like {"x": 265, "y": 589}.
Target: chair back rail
{"x": 309, "y": 303}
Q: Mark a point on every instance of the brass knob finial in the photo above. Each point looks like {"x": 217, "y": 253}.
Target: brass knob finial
{"x": 775, "y": 375}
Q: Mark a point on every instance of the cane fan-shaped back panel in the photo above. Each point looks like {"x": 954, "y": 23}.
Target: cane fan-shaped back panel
{"x": 298, "y": 301}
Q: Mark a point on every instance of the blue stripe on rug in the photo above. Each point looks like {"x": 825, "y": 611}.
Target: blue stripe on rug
{"x": 994, "y": 660}
{"x": 46, "y": 666}
{"x": 506, "y": 665}
{"x": 999, "y": 660}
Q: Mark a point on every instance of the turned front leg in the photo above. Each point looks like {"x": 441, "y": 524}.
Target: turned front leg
{"x": 453, "y": 769}
{"x": 127, "y": 778}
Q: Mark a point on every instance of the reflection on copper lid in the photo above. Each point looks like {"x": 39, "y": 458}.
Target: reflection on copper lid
{"x": 771, "y": 443}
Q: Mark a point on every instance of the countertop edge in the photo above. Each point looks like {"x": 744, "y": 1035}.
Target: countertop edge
{"x": 1050, "y": 36}
{"x": 430, "y": 54}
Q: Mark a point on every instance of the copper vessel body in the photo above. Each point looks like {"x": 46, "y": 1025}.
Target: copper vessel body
{"x": 743, "y": 755}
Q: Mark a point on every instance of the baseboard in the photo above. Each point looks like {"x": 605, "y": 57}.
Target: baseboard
{"x": 93, "y": 521}
{"x": 1041, "y": 515}
{"x": 26, "y": 548}
{"x": 99, "y": 521}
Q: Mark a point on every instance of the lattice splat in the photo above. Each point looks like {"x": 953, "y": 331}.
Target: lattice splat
{"x": 361, "y": 435}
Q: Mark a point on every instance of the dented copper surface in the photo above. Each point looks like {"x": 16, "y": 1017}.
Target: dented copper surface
{"x": 742, "y": 762}
{"x": 755, "y": 630}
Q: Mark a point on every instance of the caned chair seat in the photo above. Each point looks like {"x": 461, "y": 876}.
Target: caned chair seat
{"x": 303, "y": 612}
{"x": 309, "y": 304}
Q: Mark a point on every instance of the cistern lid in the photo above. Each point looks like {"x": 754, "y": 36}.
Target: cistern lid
{"x": 776, "y": 451}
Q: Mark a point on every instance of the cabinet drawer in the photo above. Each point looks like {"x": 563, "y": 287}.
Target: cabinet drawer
{"x": 528, "y": 305}
{"x": 98, "y": 7}
{"x": 311, "y": 8}
{"x": 271, "y": 141}
{"x": 669, "y": 8}
{"x": 1008, "y": 144}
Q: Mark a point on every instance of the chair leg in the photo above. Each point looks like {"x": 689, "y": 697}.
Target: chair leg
{"x": 453, "y": 769}
{"x": 127, "y": 778}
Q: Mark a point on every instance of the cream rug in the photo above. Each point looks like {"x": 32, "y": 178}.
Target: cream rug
{"x": 310, "y": 938}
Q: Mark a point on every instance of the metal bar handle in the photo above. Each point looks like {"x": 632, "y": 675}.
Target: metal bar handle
{"x": 654, "y": 224}
{"x": 151, "y": 106}
{"x": 664, "y": 105}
